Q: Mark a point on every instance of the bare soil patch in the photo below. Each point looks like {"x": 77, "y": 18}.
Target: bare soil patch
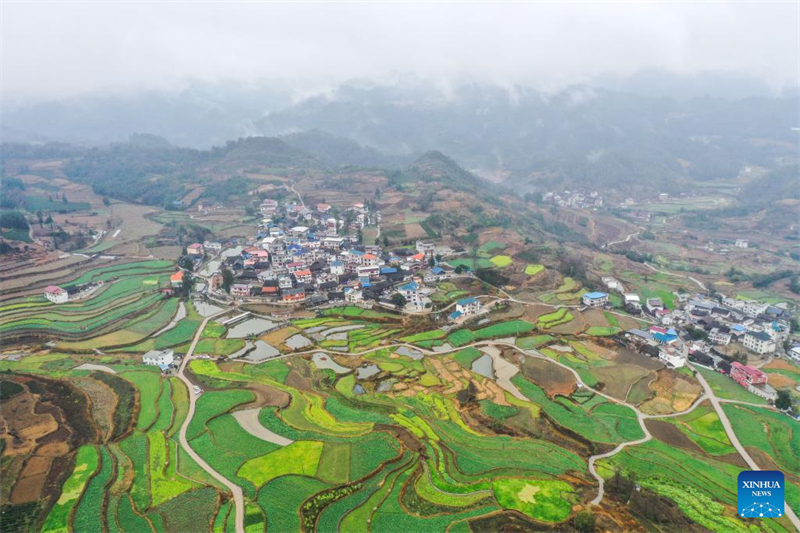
{"x": 552, "y": 378}
{"x": 669, "y": 434}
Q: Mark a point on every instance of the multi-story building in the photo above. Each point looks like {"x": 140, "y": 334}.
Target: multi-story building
{"x": 758, "y": 342}
{"x": 595, "y": 299}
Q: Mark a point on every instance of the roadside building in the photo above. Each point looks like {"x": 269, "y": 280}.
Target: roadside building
{"x": 158, "y": 357}
{"x": 468, "y": 306}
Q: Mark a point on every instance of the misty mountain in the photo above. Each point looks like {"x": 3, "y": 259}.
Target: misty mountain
{"x": 780, "y": 184}
{"x": 659, "y": 83}
{"x": 337, "y": 151}
{"x": 201, "y": 115}
{"x": 578, "y": 136}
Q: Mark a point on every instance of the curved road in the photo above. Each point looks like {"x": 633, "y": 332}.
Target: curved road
{"x": 738, "y": 445}
{"x": 238, "y": 497}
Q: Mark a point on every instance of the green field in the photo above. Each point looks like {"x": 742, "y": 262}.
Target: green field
{"x": 532, "y": 270}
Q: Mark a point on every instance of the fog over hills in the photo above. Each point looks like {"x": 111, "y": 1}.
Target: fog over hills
{"x": 580, "y": 135}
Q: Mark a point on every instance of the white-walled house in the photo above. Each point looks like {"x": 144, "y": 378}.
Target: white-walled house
{"x": 158, "y": 357}
{"x": 57, "y": 295}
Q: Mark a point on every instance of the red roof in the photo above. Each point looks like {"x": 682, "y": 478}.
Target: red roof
{"x": 195, "y": 245}
{"x": 268, "y": 290}
{"x": 747, "y": 369}
{"x": 368, "y": 256}
{"x": 52, "y": 289}
{"x": 305, "y": 272}
{"x": 418, "y": 257}
{"x": 177, "y": 276}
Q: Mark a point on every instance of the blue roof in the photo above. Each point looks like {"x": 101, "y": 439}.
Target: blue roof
{"x": 595, "y": 295}
{"x": 388, "y": 270}
{"x": 737, "y": 327}
{"x": 664, "y": 338}
{"x": 336, "y": 263}
{"x": 410, "y": 286}
{"x": 357, "y": 252}
{"x": 467, "y": 301}
{"x": 437, "y": 270}
{"x": 455, "y": 314}
{"x": 163, "y": 368}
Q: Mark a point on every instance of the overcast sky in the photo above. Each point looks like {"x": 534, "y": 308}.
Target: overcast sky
{"x": 54, "y": 49}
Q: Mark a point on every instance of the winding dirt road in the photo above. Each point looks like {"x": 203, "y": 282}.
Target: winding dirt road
{"x": 236, "y": 491}
{"x": 735, "y": 441}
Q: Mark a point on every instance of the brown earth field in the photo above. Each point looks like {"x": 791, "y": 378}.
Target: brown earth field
{"x": 552, "y": 378}
{"x": 669, "y": 434}
{"x": 640, "y": 391}
{"x": 573, "y": 327}
{"x": 619, "y": 379}
{"x": 673, "y": 392}
{"x": 595, "y": 317}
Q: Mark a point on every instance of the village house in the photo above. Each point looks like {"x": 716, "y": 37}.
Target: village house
{"x": 752, "y": 379}
{"x": 719, "y": 336}
{"x": 468, "y": 306}
{"x": 240, "y": 289}
{"x": 55, "y": 294}
{"x": 195, "y": 249}
{"x": 293, "y": 295}
{"x": 158, "y": 357}
{"x": 176, "y": 280}
{"x": 613, "y": 284}
{"x": 671, "y": 356}
{"x": 595, "y": 299}
{"x": 758, "y": 342}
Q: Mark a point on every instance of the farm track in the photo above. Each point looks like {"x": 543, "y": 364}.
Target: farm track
{"x": 716, "y": 403}
{"x": 236, "y": 491}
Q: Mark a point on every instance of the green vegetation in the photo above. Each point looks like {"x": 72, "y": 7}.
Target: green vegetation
{"x": 86, "y": 462}
{"x": 301, "y": 457}
{"x": 545, "y": 500}
{"x": 532, "y": 270}
{"x": 602, "y": 331}
{"x": 531, "y": 343}
{"x": 502, "y": 261}
{"x": 556, "y": 318}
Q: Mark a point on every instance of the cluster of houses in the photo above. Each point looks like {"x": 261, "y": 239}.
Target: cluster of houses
{"x": 576, "y": 199}
{"x": 727, "y": 326}
{"x": 299, "y": 256}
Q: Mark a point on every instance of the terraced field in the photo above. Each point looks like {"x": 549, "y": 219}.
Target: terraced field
{"x": 387, "y": 438}
{"x": 126, "y": 308}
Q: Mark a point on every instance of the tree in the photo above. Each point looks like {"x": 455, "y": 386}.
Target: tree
{"x": 227, "y": 280}
{"x": 106, "y": 201}
{"x": 186, "y": 263}
{"x": 460, "y": 269}
{"x": 784, "y": 400}
{"x": 64, "y": 198}
{"x": 385, "y": 241}
{"x": 431, "y": 262}
{"x": 399, "y": 301}
{"x": 584, "y": 521}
